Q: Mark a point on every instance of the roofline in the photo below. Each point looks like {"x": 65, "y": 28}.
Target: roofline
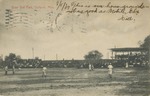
{"x": 128, "y": 49}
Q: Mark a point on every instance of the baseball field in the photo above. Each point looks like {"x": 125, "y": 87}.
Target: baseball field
{"x": 75, "y": 82}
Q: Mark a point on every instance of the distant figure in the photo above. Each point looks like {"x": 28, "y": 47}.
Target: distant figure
{"x": 44, "y": 72}
{"x": 6, "y": 70}
{"x": 127, "y": 65}
{"x": 110, "y": 69}
{"x": 81, "y": 66}
{"x": 90, "y": 67}
{"x": 19, "y": 68}
{"x": 13, "y": 66}
{"x": 13, "y": 69}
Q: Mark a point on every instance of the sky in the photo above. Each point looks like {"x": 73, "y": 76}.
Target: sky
{"x": 37, "y": 26}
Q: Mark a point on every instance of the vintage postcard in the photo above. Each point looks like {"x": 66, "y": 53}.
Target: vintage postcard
{"x": 74, "y": 47}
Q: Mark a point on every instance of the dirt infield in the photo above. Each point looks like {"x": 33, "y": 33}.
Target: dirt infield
{"x": 75, "y": 82}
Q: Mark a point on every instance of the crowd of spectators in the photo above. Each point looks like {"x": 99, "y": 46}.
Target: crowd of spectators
{"x": 134, "y": 59}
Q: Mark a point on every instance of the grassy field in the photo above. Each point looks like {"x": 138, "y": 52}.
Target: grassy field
{"x": 75, "y": 82}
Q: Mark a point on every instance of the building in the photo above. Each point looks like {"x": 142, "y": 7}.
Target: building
{"x": 132, "y": 56}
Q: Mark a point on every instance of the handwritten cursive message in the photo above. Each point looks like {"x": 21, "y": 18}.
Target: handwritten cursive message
{"x": 70, "y": 15}
{"x": 126, "y": 11}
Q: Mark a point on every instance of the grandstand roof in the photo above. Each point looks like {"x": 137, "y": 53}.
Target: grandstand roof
{"x": 128, "y": 49}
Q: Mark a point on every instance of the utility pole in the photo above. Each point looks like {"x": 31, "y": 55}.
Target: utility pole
{"x": 107, "y": 55}
{"x": 33, "y": 52}
{"x": 44, "y": 56}
{"x": 56, "y": 57}
{"x": 149, "y": 56}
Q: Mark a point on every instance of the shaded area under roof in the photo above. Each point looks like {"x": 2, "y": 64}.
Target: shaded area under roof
{"x": 128, "y": 49}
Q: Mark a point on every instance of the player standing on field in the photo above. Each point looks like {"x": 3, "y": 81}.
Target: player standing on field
{"x": 90, "y": 67}
{"x": 44, "y": 72}
{"x": 6, "y": 70}
{"x": 110, "y": 69}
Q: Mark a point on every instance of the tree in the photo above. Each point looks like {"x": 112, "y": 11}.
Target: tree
{"x": 11, "y": 61}
{"x": 93, "y": 55}
{"x": 146, "y": 43}
{"x": 1, "y": 61}
{"x": 18, "y": 57}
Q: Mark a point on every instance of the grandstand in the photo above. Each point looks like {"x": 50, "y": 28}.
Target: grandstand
{"x": 132, "y": 56}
